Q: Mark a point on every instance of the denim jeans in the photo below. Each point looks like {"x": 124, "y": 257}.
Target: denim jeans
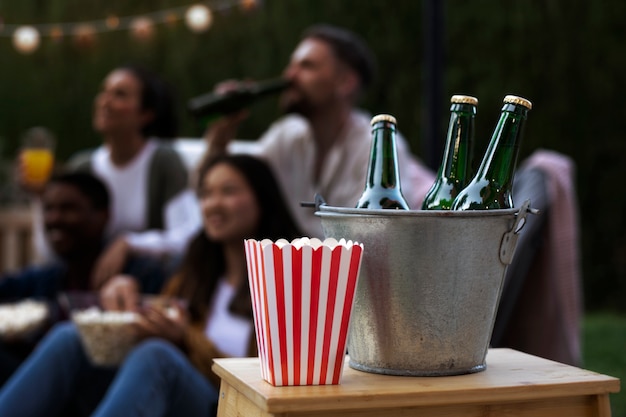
{"x": 155, "y": 379}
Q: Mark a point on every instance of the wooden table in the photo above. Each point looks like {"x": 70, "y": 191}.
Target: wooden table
{"x": 514, "y": 384}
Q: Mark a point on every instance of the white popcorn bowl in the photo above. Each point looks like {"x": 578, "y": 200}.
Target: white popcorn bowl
{"x": 107, "y": 336}
{"x": 22, "y": 318}
{"x": 302, "y": 296}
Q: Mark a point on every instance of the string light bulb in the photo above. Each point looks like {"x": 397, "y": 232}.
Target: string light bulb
{"x": 171, "y": 19}
{"x": 142, "y": 28}
{"x": 198, "y": 18}
{"x": 56, "y": 33}
{"x": 112, "y": 22}
{"x": 248, "y": 4}
{"x": 84, "y": 35}
{"x": 26, "y": 39}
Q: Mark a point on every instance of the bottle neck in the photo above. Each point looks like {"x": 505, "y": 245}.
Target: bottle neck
{"x": 499, "y": 162}
{"x": 383, "y": 165}
{"x": 457, "y": 155}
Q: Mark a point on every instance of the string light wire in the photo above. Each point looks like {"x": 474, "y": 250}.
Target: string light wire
{"x": 198, "y": 17}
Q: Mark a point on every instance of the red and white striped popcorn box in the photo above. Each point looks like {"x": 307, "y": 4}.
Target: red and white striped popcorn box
{"x": 302, "y": 296}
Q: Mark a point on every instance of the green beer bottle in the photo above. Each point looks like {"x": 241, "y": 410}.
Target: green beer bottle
{"x": 212, "y": 105}
{"x": 455, "y": 169}
{"x": 491, "y": 186}
{"x": 382, "y": 185}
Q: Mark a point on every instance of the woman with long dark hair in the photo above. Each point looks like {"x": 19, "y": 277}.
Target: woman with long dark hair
{"x": 168, "y": 373}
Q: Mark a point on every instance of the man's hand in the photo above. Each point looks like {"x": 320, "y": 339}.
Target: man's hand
{"x": 219, "y": 133}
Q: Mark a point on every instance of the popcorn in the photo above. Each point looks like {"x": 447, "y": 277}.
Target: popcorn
{"x": 18, "y": 319}
{"x": 107, "y": 336}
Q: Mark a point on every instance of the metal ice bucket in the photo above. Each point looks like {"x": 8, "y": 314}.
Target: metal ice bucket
{"x": 429, "y": 287}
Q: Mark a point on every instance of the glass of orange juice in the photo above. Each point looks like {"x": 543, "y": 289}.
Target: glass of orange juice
{"x": 37, "y": 156}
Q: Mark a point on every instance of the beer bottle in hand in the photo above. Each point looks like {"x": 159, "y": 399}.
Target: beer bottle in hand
{"x": 455, "y": 169}
{"x": 382, "y": 184}
{"x": 213, "y": 105}
{"x": 491, "y": 186}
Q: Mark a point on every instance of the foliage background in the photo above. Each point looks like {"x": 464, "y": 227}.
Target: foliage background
{"x": 565, "y": 56}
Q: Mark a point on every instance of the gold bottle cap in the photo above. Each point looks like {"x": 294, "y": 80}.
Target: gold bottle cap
{"x": 383, "y": 118}
{"x": 518, "y": 100}
{"x": 458, "y": 98}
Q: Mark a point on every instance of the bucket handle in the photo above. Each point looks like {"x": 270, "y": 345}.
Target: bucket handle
{"x": 319, "y": 201}
{"x": 509, "y": 239}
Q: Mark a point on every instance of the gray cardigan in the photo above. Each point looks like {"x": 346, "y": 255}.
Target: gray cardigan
{"x": 167, "y": 177}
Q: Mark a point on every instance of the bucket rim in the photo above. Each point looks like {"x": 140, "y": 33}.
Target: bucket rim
{"x": 326, "y": 210}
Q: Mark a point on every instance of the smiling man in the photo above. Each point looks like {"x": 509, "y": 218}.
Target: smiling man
{"x": 76, "y": 212}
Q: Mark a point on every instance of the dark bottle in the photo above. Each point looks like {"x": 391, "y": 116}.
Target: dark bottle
{"x": 382, "y": 185}
{"x": 491, "y": 186}
{"x": 213, "y": 105}
{"x": 455, "y": 169}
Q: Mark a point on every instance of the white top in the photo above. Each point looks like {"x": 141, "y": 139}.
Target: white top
{"x": 128, "y": 186}
{"x": 182, "y": 221}
{"x": 229, "y": 333}
{"x": 288, "y": 146}
{"x": 125, "y": 184}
